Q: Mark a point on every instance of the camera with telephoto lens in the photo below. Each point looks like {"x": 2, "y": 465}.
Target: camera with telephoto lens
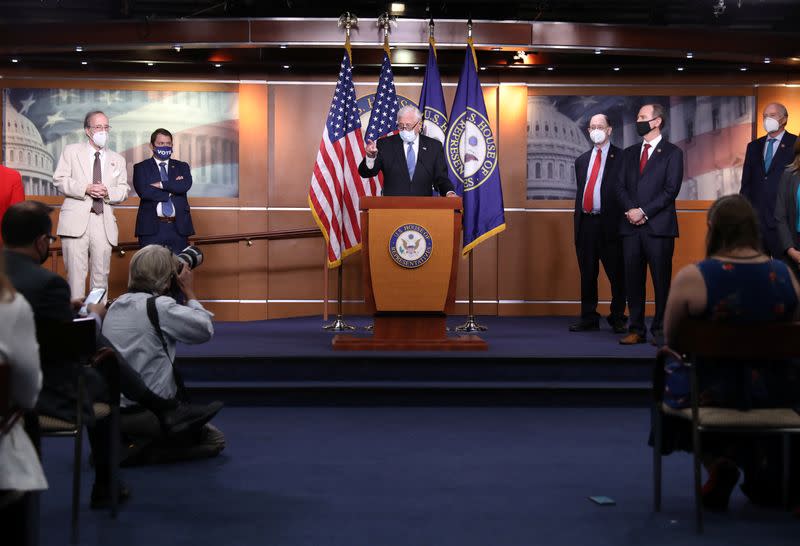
{"x": 191, "y": 256}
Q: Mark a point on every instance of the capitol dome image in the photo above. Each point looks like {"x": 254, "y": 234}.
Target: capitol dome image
{"x": 554, "y": 142}
{"x": 26, "y": 152}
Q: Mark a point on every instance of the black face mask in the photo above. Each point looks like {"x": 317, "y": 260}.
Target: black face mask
{"x": 643, "y": 127}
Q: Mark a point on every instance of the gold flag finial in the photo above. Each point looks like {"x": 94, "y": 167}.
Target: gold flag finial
{"x": 385, "y": 21}
{"x": 348, "y": 21}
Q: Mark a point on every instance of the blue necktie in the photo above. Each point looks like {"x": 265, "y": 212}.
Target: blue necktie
{"x": 166, "y": 207}
{"x": 768, "y": 157}
{"x": 411, "y": 160}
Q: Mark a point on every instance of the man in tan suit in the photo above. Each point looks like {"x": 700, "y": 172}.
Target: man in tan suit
{"x": 92, "y": 178}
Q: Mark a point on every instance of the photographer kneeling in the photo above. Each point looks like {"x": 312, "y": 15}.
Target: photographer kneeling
{"x": 144, "y": 325}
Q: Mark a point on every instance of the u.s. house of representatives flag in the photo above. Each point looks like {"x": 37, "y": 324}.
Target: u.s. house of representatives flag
{"x": 471, "y": 152}
{"x": 431, "y": 99}
{"x": 336, "y": 186}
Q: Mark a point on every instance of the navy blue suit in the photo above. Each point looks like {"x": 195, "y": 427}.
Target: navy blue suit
{"x": 653, "y": 243}
{"x": 597, "y": 238}
{"x": 149, "y": 228}
{"x": 429, "y": 174}
{"x": 761, "y": 187}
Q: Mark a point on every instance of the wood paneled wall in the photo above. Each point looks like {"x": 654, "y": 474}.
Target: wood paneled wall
{"x": 530, "y": 269}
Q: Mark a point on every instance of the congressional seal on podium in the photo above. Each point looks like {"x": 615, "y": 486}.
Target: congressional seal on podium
{"x": 410, "y": 246}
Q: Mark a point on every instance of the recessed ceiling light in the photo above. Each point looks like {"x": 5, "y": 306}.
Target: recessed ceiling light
{"x": 84, "y": 63}
{"x": 550, "y": 68}
{"x": 78, "y": 49}
{"x": 397, "y": 7}
{"x": 483, "y": 68}
{"x": 177, "y": 47}
{"x": 497, "y": 49}
{"x": 14, "y": 60}
{"x": 284, "y": 46}
{"x": 680, "y": 69}
{"x": 767, "y": 60}
{"x": 598, "y": 51}
{"x": 616, "y": 69}
{"x": 743, "y": 69}
{"x": 416, "y": 68}
{"x": 689, "y": 55}
{"x": 217, "y": 65}
{"x": 286, "y": 66}
{"x": 150, "y": 63}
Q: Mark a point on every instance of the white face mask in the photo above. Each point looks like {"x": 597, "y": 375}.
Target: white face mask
{"x": 597, "y": 135}
{"x": 771, "y": 125}
{"x": 100, "y": 138}
{"x": 408, "y": 136}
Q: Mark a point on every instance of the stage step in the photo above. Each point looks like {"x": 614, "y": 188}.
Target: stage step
{"x": 531, "y": 361}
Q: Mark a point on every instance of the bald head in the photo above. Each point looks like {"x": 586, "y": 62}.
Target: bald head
{"x": 775, "y": 117}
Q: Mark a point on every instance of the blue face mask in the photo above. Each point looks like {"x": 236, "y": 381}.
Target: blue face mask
{"x": 163, "y": 152}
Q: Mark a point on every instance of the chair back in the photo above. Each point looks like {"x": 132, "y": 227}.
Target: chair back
{"x": 738, "y": 341}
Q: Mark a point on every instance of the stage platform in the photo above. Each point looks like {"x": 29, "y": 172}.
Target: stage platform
{"x": 530, "y": 361}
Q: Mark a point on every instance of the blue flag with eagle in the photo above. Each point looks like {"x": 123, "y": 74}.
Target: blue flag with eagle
{"x": 472, "y": 160}
{"x": 431, "y": 99}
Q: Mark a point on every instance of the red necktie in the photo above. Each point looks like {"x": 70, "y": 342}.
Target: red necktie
{"x": 643, "y": 160}
{"x": 588, "y": 195}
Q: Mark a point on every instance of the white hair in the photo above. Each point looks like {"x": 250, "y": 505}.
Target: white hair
{"x": 151, "y": 270}
{"x": 409, "y": 108}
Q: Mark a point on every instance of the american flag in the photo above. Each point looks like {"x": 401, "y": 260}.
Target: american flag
{"x": 336, "y": 186}
{"x": 383, "y": 119}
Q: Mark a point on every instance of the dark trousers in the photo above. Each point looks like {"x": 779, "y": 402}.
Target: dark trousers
{"x": 592, "y": 247}
{"x": 166, "y": 236}
{"x": 642, "y": 250}
{"x": 771, "y": 243}
{"x": 133, "y": 387}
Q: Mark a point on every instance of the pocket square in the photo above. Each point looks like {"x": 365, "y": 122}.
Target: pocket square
{"x": 178, "y": 178}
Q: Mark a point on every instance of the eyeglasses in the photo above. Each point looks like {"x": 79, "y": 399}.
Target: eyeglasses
{"x": 601, "y": 127}
{"x": 406, "y": 126}
{"x": 100, "y": 127}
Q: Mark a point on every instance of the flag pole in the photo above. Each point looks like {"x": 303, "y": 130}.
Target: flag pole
{"x": 471, "y": 325}
{"x": 347, "y": 20}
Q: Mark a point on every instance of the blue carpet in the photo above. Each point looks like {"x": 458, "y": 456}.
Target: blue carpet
{"x": 411, "y": 477}
{"x": 524, "y": 337}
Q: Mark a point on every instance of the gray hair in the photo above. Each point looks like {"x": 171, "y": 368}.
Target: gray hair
{"x": 409, "y": 108}
{"x": 152, "y": 269}
{"x": 782, "y": 108}
{"x": 90, "y": 115}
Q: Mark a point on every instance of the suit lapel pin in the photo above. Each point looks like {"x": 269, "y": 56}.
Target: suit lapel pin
{"x": 783, "y": 145}
{"x": 658, "y": 150}
{"x": 424, "y": 148}
{"x": 610, "y": 155}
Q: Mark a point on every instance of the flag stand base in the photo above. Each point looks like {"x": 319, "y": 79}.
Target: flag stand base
{"x": 471, "y": 326}
{"x": 338, "y": 325}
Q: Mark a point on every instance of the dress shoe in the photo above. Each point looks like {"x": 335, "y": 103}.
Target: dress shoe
{"x": 186, "y": 416}
{"x": 584, "y": 326}
{"x": 632, "y": 339}
{"x": 618, "y": 325}
{"x": 101, "y": 495}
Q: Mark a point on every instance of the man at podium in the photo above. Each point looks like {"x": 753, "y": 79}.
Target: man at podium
{"x": 412, "y": 164}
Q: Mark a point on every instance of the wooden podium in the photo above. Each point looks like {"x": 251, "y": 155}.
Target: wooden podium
{"x": 410, "y": 251}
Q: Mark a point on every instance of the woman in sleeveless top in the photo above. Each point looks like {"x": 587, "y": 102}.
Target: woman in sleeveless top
{"x": 738, "y": 283}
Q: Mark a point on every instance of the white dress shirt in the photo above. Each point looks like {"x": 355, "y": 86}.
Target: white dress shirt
{"x": 775, "y": 145}
{"x": 20, "y": 468}
{"x": 91, "y": 153}
{"x": 596, "y": 204}
{"x": 653, "y": 144}
{"x": 159, "y": 211}
{"x": 128, "y": 328}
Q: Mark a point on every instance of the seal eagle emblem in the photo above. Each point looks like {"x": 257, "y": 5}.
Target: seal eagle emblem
{"x": 410, "y": 246}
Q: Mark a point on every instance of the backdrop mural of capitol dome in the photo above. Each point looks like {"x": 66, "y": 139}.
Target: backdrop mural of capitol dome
{"x": 205, "y": 126}
{"x": 713, "y": 133}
